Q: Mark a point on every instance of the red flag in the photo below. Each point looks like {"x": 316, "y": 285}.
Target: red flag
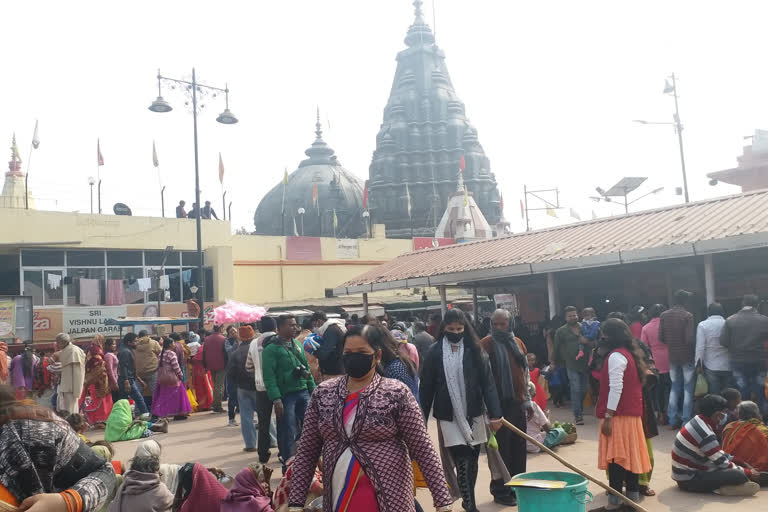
{"x": 522, "y": 210}
{"x": 501, "y": 204}
{"x": 365, "y": 197}
{"x": 314, "y": 194}
{"x": 462, "y": 163}
{"x": 100, "y": 159}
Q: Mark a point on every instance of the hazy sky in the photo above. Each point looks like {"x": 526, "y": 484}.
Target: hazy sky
{"x": 552, "y": 88}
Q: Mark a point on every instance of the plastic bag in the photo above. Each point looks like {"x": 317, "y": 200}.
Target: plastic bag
{"x": 702, "y": 388}
{"x": 493, "y": 444}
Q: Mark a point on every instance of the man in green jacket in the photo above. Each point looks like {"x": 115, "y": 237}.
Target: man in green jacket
{"x": 288, "y": 381}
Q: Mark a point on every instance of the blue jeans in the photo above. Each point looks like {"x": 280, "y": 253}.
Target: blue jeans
{"x": 750, "y": 378}
{"x": 578, "y": 382}
{"x": 248, "y": 406}
{"x": 683, "y": 378}
{"x": 294, "y": 407}
{"x": 137, "y": 396}
{"x": 717, "y": 380}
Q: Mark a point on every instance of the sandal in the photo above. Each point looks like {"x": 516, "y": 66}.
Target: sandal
{"x": 647, "y": 491}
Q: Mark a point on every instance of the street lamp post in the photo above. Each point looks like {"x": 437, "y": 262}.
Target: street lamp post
{"x": 301, "y": 212}
{"x": 226, "y": 117}
{"x": 367, "y": 220}
{"x": 91, "y": 183}
{"x": 671, "y": 88}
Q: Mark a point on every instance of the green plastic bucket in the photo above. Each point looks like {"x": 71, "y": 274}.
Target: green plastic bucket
{"x": 572, "y": 498}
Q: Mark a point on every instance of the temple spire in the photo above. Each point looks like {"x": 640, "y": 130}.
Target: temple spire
{"x": 419, "y": 33}
{"x": 318, "y": 127}
{"x": 319, "y": 152}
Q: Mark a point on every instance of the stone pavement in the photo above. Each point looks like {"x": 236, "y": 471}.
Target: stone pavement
{"x": 205, "y": 438}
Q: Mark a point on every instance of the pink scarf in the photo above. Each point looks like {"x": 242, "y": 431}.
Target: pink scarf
{"x": 206, "y": 493}
{"x": 246, "y": 495}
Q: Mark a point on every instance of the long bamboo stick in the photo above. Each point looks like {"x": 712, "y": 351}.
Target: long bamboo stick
{"x": 572, "y": 467}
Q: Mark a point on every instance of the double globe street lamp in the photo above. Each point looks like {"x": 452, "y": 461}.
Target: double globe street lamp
{"x": 226, "y": 117}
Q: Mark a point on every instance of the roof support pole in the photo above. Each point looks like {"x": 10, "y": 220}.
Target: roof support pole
{"x": 554, "y": 307}
{"x": 365, "y": 304}
{"x": 709, "y": 278}
{"x": 443, "y": 300}
{"x": 475, "y": 312}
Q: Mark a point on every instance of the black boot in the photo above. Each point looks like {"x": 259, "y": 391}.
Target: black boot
{"x": 466, "y": 487}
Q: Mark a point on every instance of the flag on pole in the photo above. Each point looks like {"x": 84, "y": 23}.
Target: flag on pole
{"x": 314, "y": 196}
{"x": 221, "y": 170}
{"x": 295, "y": 231}
{"x": 99, "y": 157}
{"x": 462, "y": 163}
{"x": 522, "y": 210}
{"x": 575, "y": 214}
{"x": 466, "y": 196}
{"x": 551, "y": 212}
{"x": 15, "y": 150}
{"x": 155, "y": 161}
{"x": 408, "y": 199}
{"x": 36, "y": 137}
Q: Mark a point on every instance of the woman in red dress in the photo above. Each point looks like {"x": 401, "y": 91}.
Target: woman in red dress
{"x": 96, "y": 400}
{"x": 200, "y": 378}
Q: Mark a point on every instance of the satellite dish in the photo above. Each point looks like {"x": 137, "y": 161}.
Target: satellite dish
{"x": 121, "y": 209}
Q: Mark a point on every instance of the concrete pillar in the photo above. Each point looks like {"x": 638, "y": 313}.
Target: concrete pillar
{"x": 365, "y": 304}
{"x": 475, "y": 313}
{"x": 443, "y": 300}
{"x": 554, "y": 303}
{"x": 709, "y": 278}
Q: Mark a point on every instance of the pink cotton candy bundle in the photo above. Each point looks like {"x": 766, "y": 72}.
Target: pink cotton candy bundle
{"x": 237, "y": 312}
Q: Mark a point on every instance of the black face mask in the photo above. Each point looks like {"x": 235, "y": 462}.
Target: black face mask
{"x": 454, "y": 337}
{"x": 357, "y": 365}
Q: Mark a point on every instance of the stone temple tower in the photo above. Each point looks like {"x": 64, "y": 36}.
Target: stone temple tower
{"x": 424, "y": 135}
{"x": 13, "y": 188}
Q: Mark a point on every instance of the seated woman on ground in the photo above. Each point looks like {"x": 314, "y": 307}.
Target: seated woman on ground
{"x": 747, "y": 438}
{"x": 34, "y": 441}
{"x": 539, "y": 428}
{"x": 122, "y": 427}
{"x": 142, "y": 490}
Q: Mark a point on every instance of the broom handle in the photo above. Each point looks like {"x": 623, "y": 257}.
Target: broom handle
{"x": 572, "y": 467}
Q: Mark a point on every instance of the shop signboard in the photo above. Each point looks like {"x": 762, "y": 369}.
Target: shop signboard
{"x": 83, "y": 322}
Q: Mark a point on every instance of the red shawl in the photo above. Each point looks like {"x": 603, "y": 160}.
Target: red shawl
{"x": 747, "y": 442}
{"x": 206, "y": 494}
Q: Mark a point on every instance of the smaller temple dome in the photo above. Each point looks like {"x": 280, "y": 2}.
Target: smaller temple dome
{"x": 330, "y": 196}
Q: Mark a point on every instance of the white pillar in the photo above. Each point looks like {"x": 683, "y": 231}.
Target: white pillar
{"x": 554, "y": 306}
{"x": 443, "y": 300}
{"x": 709, "y": 278}
{"x": 365, "y": 304}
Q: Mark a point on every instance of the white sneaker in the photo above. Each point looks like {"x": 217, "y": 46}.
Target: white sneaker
{"x": 233, "y": 423}
{"x": 746, "y": 489}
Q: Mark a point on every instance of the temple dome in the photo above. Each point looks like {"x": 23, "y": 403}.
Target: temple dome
{"x": 338, "y": 191}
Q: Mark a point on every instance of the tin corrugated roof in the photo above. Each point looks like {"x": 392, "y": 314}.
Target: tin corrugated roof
{"x": 716, "y": 225}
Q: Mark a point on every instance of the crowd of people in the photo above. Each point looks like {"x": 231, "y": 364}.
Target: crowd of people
{"x": 346, "y": 402}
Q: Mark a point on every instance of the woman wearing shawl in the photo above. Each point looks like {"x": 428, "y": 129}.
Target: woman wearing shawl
{"x": 169, "y": 473}
{"x": 23, "y": 372}
{"x": 142, "y": 490}
{"x": 96, "y": 399}
{"x": 456, "y": 382}
{"x": 200, "y": 380}
{"x": 367, "y": 427}
{"x": 4, "y": 363}
{"x": 247, "y": 493}
{"x": 170, "y": 397}
{"x": 122, "y": 427}
{"x": 198, "y": 491}
{"x": 111, "y": 362}
{"x": 747, "y": 439}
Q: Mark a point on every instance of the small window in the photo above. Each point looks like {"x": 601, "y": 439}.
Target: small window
{"x": 85, "y": 258}
{"x": 190, "y": 258}
{"x": 36, "y": 258}
{"x": 155, "y": 258}
{"x": 124, "y": 259}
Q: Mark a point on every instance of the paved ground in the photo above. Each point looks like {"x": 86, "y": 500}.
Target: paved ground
{"x": 205, "y": 438}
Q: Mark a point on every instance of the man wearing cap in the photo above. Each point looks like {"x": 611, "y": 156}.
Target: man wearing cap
{"x": 677, "y": 331}
{"x": 247, "y": 395}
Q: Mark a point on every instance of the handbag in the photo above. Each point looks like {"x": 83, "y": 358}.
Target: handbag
{"x": 166, "y": 376}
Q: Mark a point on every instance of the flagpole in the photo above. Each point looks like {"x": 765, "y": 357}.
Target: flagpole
{"x": 162, "y": 200}
{"x": 26, "y": 179}
{"x": 224, "y": 204}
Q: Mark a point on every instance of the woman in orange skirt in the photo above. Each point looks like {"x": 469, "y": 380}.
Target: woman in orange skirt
{"x": 96, "y": 399}
{"x": 622, "y": 450}
{"x": 200, "y": 378}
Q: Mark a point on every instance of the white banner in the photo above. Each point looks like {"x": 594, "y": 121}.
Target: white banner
{"x": 506, "y": 301}
{"x": 88, "y": 322}
{"x": 347, "y": 249}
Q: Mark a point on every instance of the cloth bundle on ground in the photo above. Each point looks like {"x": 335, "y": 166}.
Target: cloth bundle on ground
{"x": 247, "y": 493}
